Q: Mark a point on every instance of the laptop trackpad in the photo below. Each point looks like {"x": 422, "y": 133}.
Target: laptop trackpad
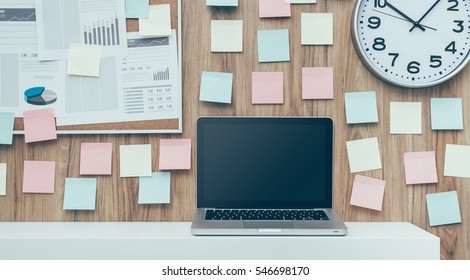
{"x": 268, "y": 224}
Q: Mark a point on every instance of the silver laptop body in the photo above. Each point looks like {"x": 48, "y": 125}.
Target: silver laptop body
{"x": 265, "y": 176}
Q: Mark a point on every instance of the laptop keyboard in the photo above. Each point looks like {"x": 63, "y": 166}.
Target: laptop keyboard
{"x": 271, "y": 215}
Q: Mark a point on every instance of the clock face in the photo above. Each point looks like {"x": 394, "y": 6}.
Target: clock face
{"x": 412, "y": 43}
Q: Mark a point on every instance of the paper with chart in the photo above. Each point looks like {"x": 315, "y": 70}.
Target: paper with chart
{"x": 81, "y": 21}
{"x": 17, "y": 26}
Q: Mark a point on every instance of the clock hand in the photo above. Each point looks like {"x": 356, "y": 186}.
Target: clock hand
{"x": 400, "y": 18}
{"x": 419, "y": 21}
{"x": 405, "y": 16}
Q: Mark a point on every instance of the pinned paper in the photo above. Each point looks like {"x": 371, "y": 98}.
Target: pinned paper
{"x": 175, "y": 154}
{"x": 230, "y": 3}
{"x": 405, "y": 118}
{"x": 301, "y": 1}
{"x": 158, "y": 23}
{"x": 137, "y": 8}
{"x": 39, "y": 125}
{"x": 364, "y": 155}
{"x": 457, "y": 161}
{"x": 316, "y": 28}
{"x": 273, "y": 45}
{"x": 443, "y": 208}
{"x": 368, "y": 193}
{"x": 3, "y": 178}
{"x": 446, "y": 113}
{"x": 420, "y": 168}
{"x": 216, "y": 87}
{"x": 361, "y": 107}
{"x": 80, "y": 194}
{"x": 274, "y": 8}
{"x": 267, "y": 88}
{"x": 84, "y": 60}
{"x": 39, "y": 176}
{"x": 96, "y": 158}
{"x": 227, "y": 36}
{"x": 135, "y": 160}
{"x": 317, "y": 83}
{"x": 7, "y": 123}
{"x": 155, "y": 189}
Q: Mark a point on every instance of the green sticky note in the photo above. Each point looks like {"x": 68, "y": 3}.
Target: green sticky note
{"x": 446, "y": 113}
{"x": 7, "y": 122}
{"x": 361, "y": 107}
{"x": 443, "y": 208}
{"x": 273, "y": 45}
{"x": 155, "y": 189}
{"x": 80, "y": 194}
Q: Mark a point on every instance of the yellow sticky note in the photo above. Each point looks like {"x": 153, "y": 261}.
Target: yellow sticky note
{"x": 317, "y": 29}
{"x": 227, "y": 36}
{"x": 84, "y": 60}
{"x": 135, "y": 160}
{"x": 158, "y": 23}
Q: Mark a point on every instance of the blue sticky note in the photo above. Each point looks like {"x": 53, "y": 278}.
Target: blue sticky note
{"x": 216, "y": 87}
{"x": 7, "y": 122}
{"x": 361, "y": 107}
{"x": 273, "y": 45}
{"x": 443, "y": 208}
{"x": 137, "y": 8}
{"x": 155, "y": 189}
{"x": 80, "y": 194}
{"x": 446, "y": 113}
{"x": 230, "y": 3}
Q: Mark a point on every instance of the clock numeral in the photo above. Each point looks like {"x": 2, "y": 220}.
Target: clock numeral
{"x": 459, "y": 26}
{"x": 380, "y": 3}
{"x": 454, "y": 6}
{"x": 374, "y": 22}
{"x": 379, "y": 44}
{"x": 436, "y": 61}
{"x": 413, "y": 67}
{"x": 451, "y": 48}
{"x": 395, "y": 56}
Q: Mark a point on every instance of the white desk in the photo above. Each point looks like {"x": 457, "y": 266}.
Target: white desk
{"x": 172, "y": 241}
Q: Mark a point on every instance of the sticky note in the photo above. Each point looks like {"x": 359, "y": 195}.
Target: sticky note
{"x": 273, "y": 45}
{"x": 443, "y": 208}
{"x": 274, "y": 8}
{"x": 301, "y": 1}
{"x": 227, "y": 36}
{"x": 39, "y": 125}
{"x": 446, "y": 113}
{"x": 317, "y": 83}
{"x": 230, "y": 3}
{"x": 364, "y": 155}
{"x": 368, "y": 192}
{"x": 7, "y": 123}
{"x": 158, "y": 22}
{"x": 3, "y": 178}
{"x": 175, "y": 154}
{"x": 96, "y": 158}
{"x": 267, "y": 88}
{"x": 84, "y": 60}
{"x": 155, "y": 189}
{"x": 80, "y": 194}
{"x": 361, "y": 107}
{"x": 137, "y": 8}
{"x": 216, "y": 87}
{"x": 420, "y": 168}
{"x": 457, "y": 161}
{"x": 405, "y": 118}
{"x": 135, "y": 160}
{"x": 39, "y": 176}
{"x": 316, "y": 28}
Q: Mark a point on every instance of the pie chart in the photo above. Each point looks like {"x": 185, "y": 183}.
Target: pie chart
{"x": 39, "y": 96}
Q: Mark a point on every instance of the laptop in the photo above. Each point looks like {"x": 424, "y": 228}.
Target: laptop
{"x": 265, "y": 176}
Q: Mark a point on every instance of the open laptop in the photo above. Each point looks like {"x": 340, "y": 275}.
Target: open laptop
{"x": 265, "y": 176}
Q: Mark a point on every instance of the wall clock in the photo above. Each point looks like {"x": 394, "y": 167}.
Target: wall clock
{"x": 412, "y": 43}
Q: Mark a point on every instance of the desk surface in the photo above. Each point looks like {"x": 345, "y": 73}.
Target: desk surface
{"x": 117, "y": 197}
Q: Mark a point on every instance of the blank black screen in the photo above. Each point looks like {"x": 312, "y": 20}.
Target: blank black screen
{"x": 264, "y": 162}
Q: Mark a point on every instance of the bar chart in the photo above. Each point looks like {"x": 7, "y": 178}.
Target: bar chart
{"x": 162, "y": 75}
{"x": 102, "y": 32}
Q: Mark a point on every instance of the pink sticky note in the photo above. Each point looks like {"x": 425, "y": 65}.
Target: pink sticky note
{"x": 420, "y": 168}
{"x": 175, "y": 154}
{"x": 267, "y": 88}
{"x": 368, "y": 192}
{"x": 39, "y": 125}
{"x": 39, "y": 176}
{"x": 317, "y": 83}
{"x": 96, "y": 158}
{"x": 274, "y": 8}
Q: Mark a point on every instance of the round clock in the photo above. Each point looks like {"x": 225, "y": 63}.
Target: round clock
{"x": 412, "y": 43}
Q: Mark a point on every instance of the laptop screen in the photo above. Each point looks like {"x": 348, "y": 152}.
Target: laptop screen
{"x": 264, "y": 163}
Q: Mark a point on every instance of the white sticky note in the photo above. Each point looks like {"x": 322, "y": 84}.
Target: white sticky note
{"x": 301, "y": 1}
{"x": 84, "y": 60}
{"x": 316, "y": 28}
{"x": 364, "y": 155}
{"x": 158, "y": 23}
{"x": 457, "y": 161}
{"x": 3, "y": 178}
{"x": 227, "y": 36}
{"x": 405, "y": 118}
{"x": 135, "y": 160}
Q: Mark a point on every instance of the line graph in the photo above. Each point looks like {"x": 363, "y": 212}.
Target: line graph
{"x": 14, "y": 15}
{"x": 147, "y": 42}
